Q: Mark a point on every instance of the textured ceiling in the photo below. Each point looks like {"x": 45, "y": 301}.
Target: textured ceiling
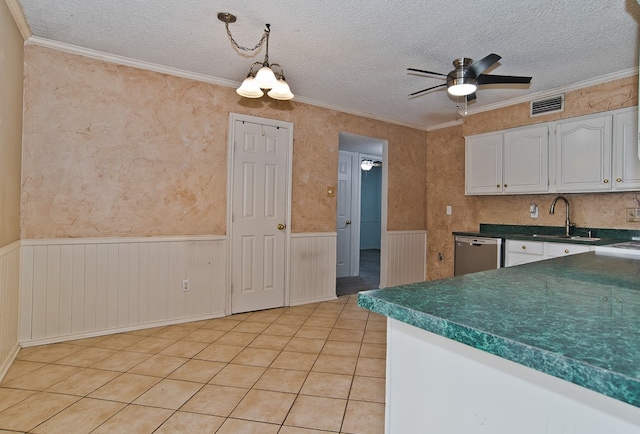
{"x": 353, "y": 55}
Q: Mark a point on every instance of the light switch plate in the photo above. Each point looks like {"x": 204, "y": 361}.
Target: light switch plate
{"x": 331, "y": 191}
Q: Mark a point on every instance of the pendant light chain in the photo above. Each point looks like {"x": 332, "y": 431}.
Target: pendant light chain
{"x": 240, "y": 47}
{"x": 262, "y": 76}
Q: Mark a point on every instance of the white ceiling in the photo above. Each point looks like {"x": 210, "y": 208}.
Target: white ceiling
{"x": 353, "y": 55}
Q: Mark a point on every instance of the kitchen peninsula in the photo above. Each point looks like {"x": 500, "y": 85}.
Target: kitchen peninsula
{"x": 552, "y": 346}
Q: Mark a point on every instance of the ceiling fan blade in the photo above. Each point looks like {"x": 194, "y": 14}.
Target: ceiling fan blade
{"x": 481, "y": 65}
{"x": 498, "y": 79}
{"x": 429, "y": 88}
{"x": 426, "y": 72}
{"x": 471, "y": 96}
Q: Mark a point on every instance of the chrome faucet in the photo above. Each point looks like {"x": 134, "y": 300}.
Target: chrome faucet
{"x": 567, "y": 222}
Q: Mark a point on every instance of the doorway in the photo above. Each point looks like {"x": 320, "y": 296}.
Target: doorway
{"x": 361, "y": 197}
{"x": 259, "y": 204}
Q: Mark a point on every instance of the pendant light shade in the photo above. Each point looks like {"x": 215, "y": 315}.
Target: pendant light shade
{"x": 249, "y": 88}
{"x": 281, "y": 91}
{"x": 265, "y": 78}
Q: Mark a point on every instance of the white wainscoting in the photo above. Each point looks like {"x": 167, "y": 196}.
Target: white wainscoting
{"x": 313, "y": 267}
{"x": 74, "y": 288}
{"x": 406, "y": 258}
{"x": 9, "y": 309}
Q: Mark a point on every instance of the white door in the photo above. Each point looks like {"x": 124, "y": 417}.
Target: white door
{"x": 259, "y": 216}
{"x": 343, "y": 225}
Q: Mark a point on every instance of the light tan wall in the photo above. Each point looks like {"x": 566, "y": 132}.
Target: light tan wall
{"x": 11, "y": 68}
{"x": 111, "y": 151}
{"x": 445, "y": 177}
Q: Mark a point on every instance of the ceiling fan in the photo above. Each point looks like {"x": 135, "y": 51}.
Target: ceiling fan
{"x": 468, "y": 75}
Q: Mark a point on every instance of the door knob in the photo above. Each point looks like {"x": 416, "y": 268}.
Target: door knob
{"x": 348, "y": 222}
{"x": 281, "y": 226}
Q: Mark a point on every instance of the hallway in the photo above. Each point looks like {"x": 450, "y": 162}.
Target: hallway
{"x": 369, "y": 277}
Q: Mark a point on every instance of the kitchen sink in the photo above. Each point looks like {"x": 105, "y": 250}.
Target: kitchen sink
{"x": 566, "y": 237}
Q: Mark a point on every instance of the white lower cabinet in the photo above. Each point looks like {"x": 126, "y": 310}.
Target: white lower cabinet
{"x": 554, "y": 250}
{"x": 523, "y": 252}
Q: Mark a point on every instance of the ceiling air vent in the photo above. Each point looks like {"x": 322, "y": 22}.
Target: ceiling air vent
{"x": 547, "y": 105}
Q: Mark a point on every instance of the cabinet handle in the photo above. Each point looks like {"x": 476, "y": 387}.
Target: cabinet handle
{"x": 566, "y": 250}
{"x": 498, "y": 185}
{"x": 606, "y": 181}
{"x": 505, "y": 185}
{"x": 524, "y": 247}
{"x": 618, "y": 179}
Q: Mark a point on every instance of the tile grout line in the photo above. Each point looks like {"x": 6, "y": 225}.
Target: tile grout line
{"x": 336, "y": 314}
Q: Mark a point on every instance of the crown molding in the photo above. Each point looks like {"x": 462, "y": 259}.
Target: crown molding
{"x": 552, "y": 92}
{"x": 127, "y": 61}
{"x": 18, "y": 17}
{"x": 445, "y": 125}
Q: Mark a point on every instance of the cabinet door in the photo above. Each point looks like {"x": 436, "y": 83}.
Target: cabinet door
{"x": 483, "y": 172}
{"x": 526, "y": 160}
{"x": 625, "y": 151}
{"x": 584, "y": 155}
{"x": 522, "y": 252}
{"x": 554, "y": 250}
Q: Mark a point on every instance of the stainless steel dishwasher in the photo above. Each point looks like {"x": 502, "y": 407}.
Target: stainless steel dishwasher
{"x": 474, "y": 254}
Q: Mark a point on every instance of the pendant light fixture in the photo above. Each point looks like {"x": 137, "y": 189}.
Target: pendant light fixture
{"x": 262, "y": 75}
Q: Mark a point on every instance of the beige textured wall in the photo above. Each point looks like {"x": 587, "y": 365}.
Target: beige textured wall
{"x": 11, "y": 69}
{"x": 445, "y": 177}
{"x": 111, "y": 151}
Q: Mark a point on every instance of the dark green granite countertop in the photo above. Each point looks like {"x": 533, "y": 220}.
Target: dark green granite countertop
{"x": 530, "y": 233}
{"x": 576, "y": 317}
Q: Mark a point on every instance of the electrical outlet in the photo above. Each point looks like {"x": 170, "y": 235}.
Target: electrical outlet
{"x": 633, "y": 214}
{"x": 185, "y": 285}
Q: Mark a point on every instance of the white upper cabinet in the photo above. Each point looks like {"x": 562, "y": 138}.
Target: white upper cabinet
{"x": 594, "y": 153}
{"x": 626, "y": 165}
{"x": 513, "y": 162}
{"x": 526, "y": 160}
{"x": 584, "y": 154}
{"x": 483, "y": 172}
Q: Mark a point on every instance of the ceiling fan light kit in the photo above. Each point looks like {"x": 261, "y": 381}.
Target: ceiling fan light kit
{"x": 262, "y": 75}
{"x": 459, "y": 81}
{"x": 468, "y": 75}
{"x": 367, "y": 165}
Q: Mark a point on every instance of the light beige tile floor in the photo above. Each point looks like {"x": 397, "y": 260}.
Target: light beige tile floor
{"x": 308, "y": 369}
